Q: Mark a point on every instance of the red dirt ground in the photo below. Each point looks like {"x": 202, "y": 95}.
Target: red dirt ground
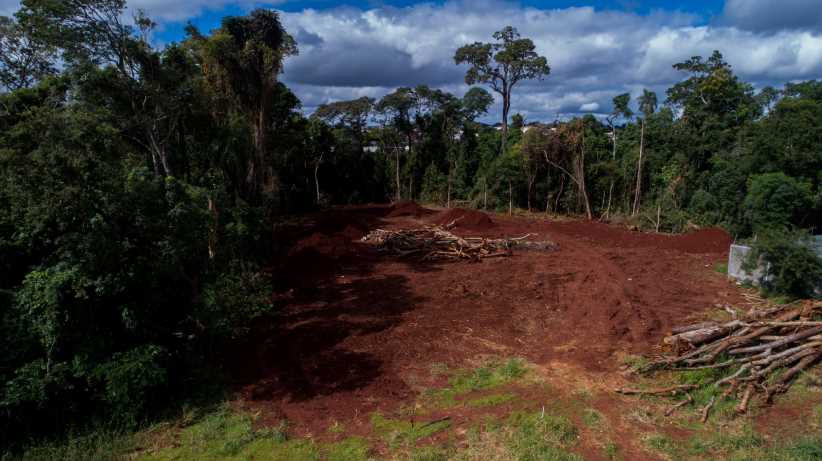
{"x": 407, "y": 208}
{"x": 464, "y": 220}
{"x": 358, "y": 331}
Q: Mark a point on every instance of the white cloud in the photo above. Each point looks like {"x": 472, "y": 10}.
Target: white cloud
{"x": 773, "y": 15}
{"x": 594, "y": 54}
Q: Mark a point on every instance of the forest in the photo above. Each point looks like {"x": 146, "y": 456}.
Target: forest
{"x": 140, "y": 185}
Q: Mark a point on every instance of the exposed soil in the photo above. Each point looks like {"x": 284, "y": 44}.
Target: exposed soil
{"x": 462, "y": 219}
{"x": 358, "y": 331}
{"x": 407, "y": 208}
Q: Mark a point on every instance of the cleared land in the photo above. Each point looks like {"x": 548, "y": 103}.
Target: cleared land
{"x": 515, "y": 357}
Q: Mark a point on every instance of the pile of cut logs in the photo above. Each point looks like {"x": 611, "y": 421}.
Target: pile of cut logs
{"x": 436, "y": 243}
{"x": 760, "y": 352}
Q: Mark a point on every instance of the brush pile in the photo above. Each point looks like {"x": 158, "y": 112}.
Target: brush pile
{"x": 436, "y": 243}
{"x": 759, "y": 352}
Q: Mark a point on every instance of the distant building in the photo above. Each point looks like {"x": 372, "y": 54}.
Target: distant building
{"x": 371, "y": 147}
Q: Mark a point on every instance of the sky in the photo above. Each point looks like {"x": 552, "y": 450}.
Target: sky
{"x": 596, "y": 49}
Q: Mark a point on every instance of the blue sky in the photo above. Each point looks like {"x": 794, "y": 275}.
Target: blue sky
{"x": 704, "y": 10}
{"x": 596, "y": 49}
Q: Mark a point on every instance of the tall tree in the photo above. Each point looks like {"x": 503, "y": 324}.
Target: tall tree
{"x": 319, "y": 145}
{"x": 242, "y": 61}
{"x": 395, "y": 109}
{"x": 565, "y": 151}
{"x": 23, "y": 61}
{"x": 621, "y": 110}
{"x": 714, "y": 104}
{"x": 647, "y": 105}
{"x": 351, "y": 114}
{"x": 501, "y": 65}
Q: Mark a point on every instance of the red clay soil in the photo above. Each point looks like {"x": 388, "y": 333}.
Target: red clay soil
{"x": 407, "y": 208}
{"x": 358, "y": 331}
{"x": 465, "y": 220}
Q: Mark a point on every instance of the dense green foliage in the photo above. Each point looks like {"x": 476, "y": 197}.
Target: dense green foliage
{"x": 139, "y": 186}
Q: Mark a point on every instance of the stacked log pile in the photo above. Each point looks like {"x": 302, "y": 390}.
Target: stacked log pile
{"x": 436, "y": 243}
{"x": 760, "y": 352}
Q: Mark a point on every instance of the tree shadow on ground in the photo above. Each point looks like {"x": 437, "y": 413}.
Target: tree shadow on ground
{"x": 329, "y": 301}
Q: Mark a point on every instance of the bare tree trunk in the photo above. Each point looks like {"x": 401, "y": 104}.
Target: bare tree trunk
{"x": 658, "y": 214}
{"x": 530, "y": 188}
{"x": 559, "y": 194}
{"x": 607, "y": 213}
{"x": 317, "y": 176}
{"x": 399, "y": 194}
{"x": 583, "y": 189}
{"x": 506, "y": 107}
{"x": 485, "y": 193}
{"x": 448, "y": 193}
{"x": 639, "y": 170}
{"x": 510, "y": 199}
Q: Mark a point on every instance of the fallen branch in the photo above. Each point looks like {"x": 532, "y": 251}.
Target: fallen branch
{"x": 706, "y": 411}
{"x": 743, "y": 405}
{"x": 688, "y": 400}
{"x": 666, "y": 390}
{"x": 437, "y": 243}
{"x": 747, "y": 352}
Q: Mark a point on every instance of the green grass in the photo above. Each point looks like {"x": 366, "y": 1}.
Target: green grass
{"x": 98, "y": 445}
{"x": 491, "y": 400}
{"x": 591, "y": 417}
{"x": 736, "y": 445}
{"x": 399, "y": 433}
{"x": 430, "y": 454}
{"x": 523, "y": 436}
{"x": 722, "y": 268}
{"x": 229, "y": 435}
{"x": 612, "y": 451}
{"x": 487, "y": 376}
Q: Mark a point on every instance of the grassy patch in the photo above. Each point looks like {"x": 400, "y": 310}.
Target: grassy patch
{"x": 98, "y": 445}
{"x": 722, "y": 268}
{"x": 488, "y": 376}
{"x": 612, "y": 451}
{"x": 736, "y": 445}
{"x": 351, "y": 449}
{"x": 336, "y": 428}
{"x": 430, "y": 454}
{"x": 526, "y": 436}
{"x": 491, "y": 400}
{"x": 398, "y": 432}
{"x": 591, "y": 417}
{"x": 230, "y": 435}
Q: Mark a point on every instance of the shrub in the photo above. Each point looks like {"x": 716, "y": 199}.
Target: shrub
{"x": 233, "y": 300}
{"x": 791, "y": 266}
{"x": 775, "y": 200}
{"x": 434, "y": 185}
{"x": 128, "y": 379}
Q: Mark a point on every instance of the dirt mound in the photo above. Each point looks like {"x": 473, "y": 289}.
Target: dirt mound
{"x": 320, "y": 244}
{"x": 712, "y": 240}
{"x": 463, "y": 219}
{"x": 407, "y": 208}
{"x": 351, "y": 226}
